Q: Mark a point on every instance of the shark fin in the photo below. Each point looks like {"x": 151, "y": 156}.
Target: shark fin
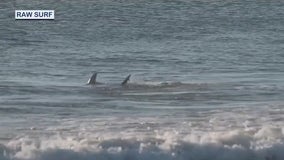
{"x": 126, "y": 80}
{"x": 92, "y": 80}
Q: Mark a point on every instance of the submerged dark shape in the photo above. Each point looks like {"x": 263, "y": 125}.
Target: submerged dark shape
{"x": 273, "y": 157}
{"x": 93, "y": 81}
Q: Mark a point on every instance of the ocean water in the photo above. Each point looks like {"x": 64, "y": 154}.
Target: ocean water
{"x": 207, "y": 80}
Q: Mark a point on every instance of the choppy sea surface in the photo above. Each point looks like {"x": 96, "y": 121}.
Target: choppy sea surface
{"x": 207, "y": 80}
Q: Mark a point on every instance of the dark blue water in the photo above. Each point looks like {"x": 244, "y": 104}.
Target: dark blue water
{"x": 206, "y": 80}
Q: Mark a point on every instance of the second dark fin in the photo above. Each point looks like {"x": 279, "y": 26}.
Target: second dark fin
{"x": 126, "y": 80}
{"x": 92, "y": 80}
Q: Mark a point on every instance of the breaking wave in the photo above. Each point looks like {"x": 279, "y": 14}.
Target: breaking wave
{"x": 264, "y": 143}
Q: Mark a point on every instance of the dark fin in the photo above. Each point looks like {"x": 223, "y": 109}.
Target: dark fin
{"x": 92, "y": 80}
{"x": 126, "y": 80}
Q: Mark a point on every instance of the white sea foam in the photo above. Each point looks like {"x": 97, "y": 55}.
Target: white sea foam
{"x": 255, "y": 144}
{"x": 206, "y": 135}
{"x": 203, "y": 134}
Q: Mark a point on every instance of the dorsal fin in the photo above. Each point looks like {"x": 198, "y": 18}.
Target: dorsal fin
{"x": 92, "y": 80}
{"x": 126, "y": 80}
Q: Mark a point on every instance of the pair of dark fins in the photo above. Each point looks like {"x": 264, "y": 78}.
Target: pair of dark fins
{"x": 93, "y": 81}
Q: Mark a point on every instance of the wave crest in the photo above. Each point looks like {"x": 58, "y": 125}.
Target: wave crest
{"x": 261, "y": 144}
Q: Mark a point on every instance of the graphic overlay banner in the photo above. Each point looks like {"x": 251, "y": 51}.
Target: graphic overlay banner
{"x": 34, "y": 14}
